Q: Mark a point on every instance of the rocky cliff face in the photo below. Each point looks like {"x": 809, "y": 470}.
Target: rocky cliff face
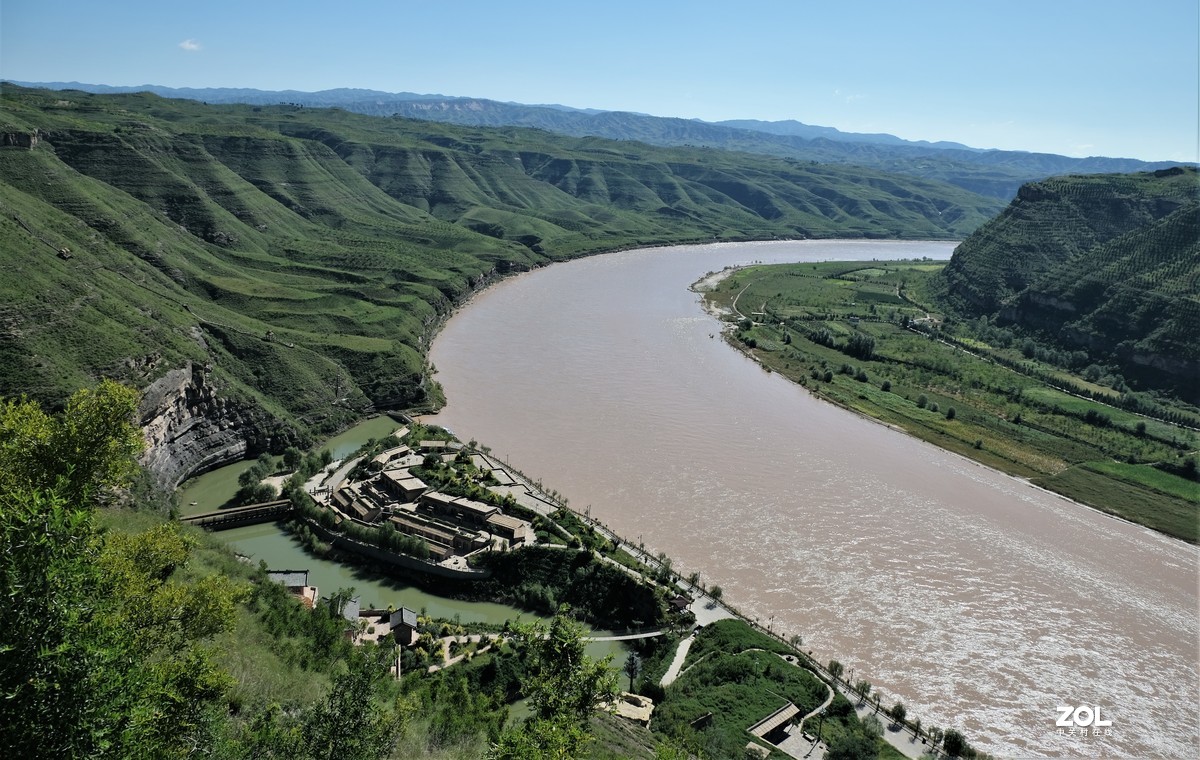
{"x": 189, "y": 428}
{"x": 28, "y": 139}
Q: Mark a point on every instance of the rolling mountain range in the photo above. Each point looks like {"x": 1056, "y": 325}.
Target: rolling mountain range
{"x": 299, "y": 258}
{"x": 995, "y": 173}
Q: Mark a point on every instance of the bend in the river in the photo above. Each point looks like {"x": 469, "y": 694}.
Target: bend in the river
{"x": 979, "y": 601}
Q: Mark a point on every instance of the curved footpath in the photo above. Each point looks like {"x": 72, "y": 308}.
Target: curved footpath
{"x": 798, "y": 744}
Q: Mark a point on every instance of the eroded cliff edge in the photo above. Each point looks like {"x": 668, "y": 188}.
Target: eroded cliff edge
{"x": 190, "y": 427}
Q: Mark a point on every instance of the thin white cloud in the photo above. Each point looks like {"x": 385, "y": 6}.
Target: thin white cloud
{"x": 191, "y": 46}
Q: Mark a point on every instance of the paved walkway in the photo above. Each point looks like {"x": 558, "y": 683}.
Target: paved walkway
{"x": 680, "y": 655}
{"x": 901, "y": 739}
{"x": 332, "y": 482}
{"x": 797, "y": 744}
{"x": 626, "y": 636}
{"x": 475, "y": 638}
{"x": 707, "y": 611}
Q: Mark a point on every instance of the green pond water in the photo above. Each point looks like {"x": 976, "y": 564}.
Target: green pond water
{"x": 215, "y": 488}
{"x": 344, "y": 444}
{"x": 210, "y": 491}
{"x": 268, "y": 542}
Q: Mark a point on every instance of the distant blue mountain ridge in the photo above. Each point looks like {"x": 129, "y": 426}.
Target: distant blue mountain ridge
{"x": 994, "y": 173}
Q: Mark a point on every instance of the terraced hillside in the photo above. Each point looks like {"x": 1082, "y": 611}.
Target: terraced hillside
{"x": 1106, "y": 264}
{"x": 996, "y": 173}
{"x": 304, "y": 256}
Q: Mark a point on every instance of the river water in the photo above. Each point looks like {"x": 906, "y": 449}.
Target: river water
{"x": 979, "y": 601}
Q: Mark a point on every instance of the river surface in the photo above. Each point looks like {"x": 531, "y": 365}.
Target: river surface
{"x": 979, "y": 601}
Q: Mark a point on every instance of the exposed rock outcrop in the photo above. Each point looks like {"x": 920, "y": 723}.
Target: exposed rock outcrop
{"x": 189, "y": 428}
{"x": 28, "y": 139}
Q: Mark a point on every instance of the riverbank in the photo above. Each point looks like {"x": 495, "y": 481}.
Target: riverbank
{"x": 717, "y": 489}
{"x": 606, "y": 376}
{"x": 979, "y": 404}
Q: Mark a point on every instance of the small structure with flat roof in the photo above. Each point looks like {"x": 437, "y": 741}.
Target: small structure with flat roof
{"x": 388, "y": 455}
{"x": 773, "y": 728}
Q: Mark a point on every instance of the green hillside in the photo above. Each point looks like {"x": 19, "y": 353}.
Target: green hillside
{"x": 1108, "y": 265}
{"x": 306, "y": 255}
{"x": 995, "y": 173}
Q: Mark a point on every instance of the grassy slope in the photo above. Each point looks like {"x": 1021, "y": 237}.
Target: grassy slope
{"x": 307, "y": 254}
{"x": 1002, "y": 418}
{"x": 1108, "y": 264}
{"x": 736, "y": 673}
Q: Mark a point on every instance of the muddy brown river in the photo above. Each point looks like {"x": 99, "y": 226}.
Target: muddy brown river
{"x": 979, "y": 601}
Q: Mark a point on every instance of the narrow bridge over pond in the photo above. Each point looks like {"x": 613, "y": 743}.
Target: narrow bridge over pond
{"x": 250, "y": 514}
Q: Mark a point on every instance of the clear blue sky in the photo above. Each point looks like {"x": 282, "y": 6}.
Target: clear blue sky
{"x": 1076, "y": 77}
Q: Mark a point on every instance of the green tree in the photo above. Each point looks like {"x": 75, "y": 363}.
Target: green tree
{"x": 898, "y": 712}
{"x": 541, "y": 739}
{"x": 292, "y": 458}
{"x": 565, "y": 681}
{"x": 935, "y": 736}
{"x": 835, "y": 669}
{"x": 353, "y": 722}
{"x": 90, "y": 446}
{"x": 853, "y": 745}
{"x": 152, "y": 675}
{"x": 953, "y": 742}
{"x": 48, "y": 549}
{"x": 668, "y": 749}
{"x": 872, "y": 726}
{"x": 863, "y": 688}
{"x": 101, "y": 649}
{"x": 47, "y": 579}
{"x": 564, "y": 688}
{"x": 861, "y": 345}
{"x": 632, "y": 668}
